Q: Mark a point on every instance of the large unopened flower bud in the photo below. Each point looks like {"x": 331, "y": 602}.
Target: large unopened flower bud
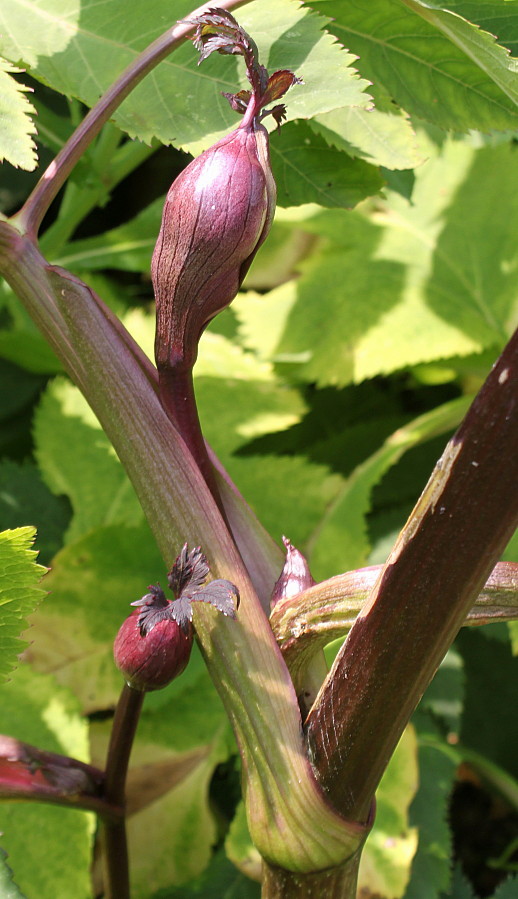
{"x": 220, "y": 208}
{"x": 216, "y": 215}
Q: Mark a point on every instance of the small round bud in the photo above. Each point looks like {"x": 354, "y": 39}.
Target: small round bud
{"x": 153, "y": 660}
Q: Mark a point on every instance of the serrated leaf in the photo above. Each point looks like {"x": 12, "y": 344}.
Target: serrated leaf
{"x": 340, "y": 542}
{"x": 56, "y": 865}
{"x": 460, "y": 887}
{"x": 178, "y": 101}
{"x": 89, "y": 473}
{"x": 308, "y": 170}
{"x": 431, "y": 866}
{"x": 20, "y": 576}
{"x": 500, "y": 19}
{"x": 383, "y": 135}
{"x": 423, "y": 70}
{"x": 479, "y": 46}
{"x": 8, "y": 888}
{"x": 391, "y": 845}
{"x": 413, "y": 282}
{"x": 16, "y": 143}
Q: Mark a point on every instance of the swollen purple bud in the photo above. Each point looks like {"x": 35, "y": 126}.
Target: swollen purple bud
{"x": 153, "y": 660}
{"x": 220, "y": 208}
{"x": 217, "y": 214}
{"x": 294, "y": 577}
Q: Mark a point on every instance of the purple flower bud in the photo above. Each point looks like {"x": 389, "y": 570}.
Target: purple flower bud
{"x": 216, "y": 215}
{"x": 152, "y": 660}
{"x": 294, "y": 577}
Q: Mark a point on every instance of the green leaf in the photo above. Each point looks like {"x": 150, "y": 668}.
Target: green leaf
{"x": 383, "y": 135}
{"x": 478, "y": 45}
{"x": 460, "y": 888}
{"x": 412, "y": 282}
{"x": 19, "y": 593}
{"x": 340, "y": 542}
{"x": 507, "y": 890}
{"x": 183, "y": 735}
{"x": 127, "y": 248}
{"x": 308, "y": 170}
{"x": 500, "y": 19}
{"x": 21, "y": 342}
{"x": 444, "y": 697}
{"x": 8, "y": 888}
{"x": 431, "y": 867}
{"x": 178, "y": 101}
{"x": 288, "y": 493}
{"x": 90, "y": 473}
{"x": 239, "y": 847}
{"x": 391, "y": 845}
{"x": 221, "y": 880}
{"x": 48, "y": 847}
{"x": 16, "y": 144}
{"x": 491, "y": 671}
{"x": 24, "y": 497}
{"x": 429, "y": 75}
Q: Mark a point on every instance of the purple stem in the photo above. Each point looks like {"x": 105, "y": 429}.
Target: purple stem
{"x": 115, "y": 848}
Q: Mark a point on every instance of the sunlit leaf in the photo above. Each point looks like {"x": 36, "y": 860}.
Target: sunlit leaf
{"x": 459, "y": 80}
{"x": 178, "y": 101}
{"x": 16, "y": 135}
{"x": 20, "y": 593}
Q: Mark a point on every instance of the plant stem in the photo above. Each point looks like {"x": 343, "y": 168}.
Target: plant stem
{"x": 305, "y": 623}
{"x": 178, "y": 400}
{"x": 115, "y": 849}
{"x": 335, "y": 883}
{"x": 32, "y": 774}
{"x": 459, "y": 528}
{"x": 31, "y": 215}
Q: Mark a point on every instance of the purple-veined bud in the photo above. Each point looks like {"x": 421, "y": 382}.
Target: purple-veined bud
{"x": 151, "y": 661}
{"x": 220, "y": 208}
{"x": 216, "y": 215}
{"x": 294, "y": 577}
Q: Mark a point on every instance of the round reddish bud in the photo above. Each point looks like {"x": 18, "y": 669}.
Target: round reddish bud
{"x": 152, "y": 661}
